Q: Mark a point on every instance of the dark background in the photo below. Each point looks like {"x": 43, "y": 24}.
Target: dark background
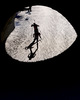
{"x": 56, "y": 78}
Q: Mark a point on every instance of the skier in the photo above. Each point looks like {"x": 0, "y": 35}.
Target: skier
{"x": 36, "y": 33}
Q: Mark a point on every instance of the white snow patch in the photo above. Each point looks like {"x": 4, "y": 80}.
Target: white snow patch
{"x": 56, "y": 32}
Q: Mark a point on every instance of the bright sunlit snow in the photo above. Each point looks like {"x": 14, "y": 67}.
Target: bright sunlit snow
{"x": 56, "y": 32}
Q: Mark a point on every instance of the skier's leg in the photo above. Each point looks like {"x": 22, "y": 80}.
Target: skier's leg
{"x": 31, "y": 50}
{"x": 37, "y": 43}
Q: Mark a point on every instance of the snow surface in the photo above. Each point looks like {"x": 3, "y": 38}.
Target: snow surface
{"x": 56, "y": 32}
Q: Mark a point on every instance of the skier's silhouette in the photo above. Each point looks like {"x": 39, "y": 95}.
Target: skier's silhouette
{"x": 36, "y": 35}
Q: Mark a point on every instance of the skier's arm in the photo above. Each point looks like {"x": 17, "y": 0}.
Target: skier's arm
{"x": 37, "y": 25}
{"x": 32, "y": 25}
